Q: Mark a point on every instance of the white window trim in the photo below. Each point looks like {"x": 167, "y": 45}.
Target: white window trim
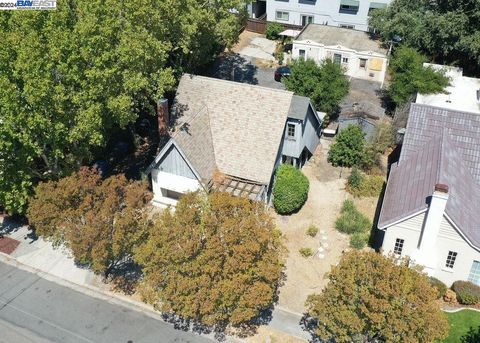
{"x": 281, "y": 18}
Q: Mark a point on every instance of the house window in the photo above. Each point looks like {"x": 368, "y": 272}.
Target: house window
{"x": 282, "y": 15}
{"x": 475, "y": 273}
{"x": 343, "y": 26}
{"x": 398, "y": 246}
{"x": 290, "y": 130}
{"x": 337, "y": 58}
{"x": 307, "y": 19}
{"x": 363, "y": 63}
{"x": 344, "y": 60}
{"x": 452, "y": 256}
{"x": 301, "y": 54}
{"x": 348, "y": 7}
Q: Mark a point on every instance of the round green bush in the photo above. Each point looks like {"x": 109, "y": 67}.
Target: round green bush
{"x": 439, "y": 286}
{"x": 352, "y": 220}
{"x": 290, "y": 191}
{"x": 273, "y": 30}
{"x": 467, "y": 292}
{"x": 358, "y": 240}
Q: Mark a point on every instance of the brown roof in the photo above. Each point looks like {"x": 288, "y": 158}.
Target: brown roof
{"x": 245, "y": 123}
{"x": 438, "y": 159}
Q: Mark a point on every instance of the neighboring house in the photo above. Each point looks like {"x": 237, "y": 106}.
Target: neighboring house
{"x": 231, "y": 137}
{"x": 431, "y": 208}
{"x": 362, "y": 57}
{"x": 363, "y": 113}
{"x": 463, "y": 94}
{"x": 352, "y": 14}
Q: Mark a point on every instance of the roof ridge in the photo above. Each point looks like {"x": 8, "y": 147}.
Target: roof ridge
{"x": 238, "y": 83}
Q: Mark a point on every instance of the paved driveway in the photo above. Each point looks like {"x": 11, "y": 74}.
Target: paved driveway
{"x": 242, "y": 68}
{"x": 33, "y": 309}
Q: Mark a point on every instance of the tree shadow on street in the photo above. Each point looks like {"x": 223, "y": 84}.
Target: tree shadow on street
{"x": 125, "y": 277}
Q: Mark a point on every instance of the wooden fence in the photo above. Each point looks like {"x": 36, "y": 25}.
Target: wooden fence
{"x": 260, "y": 25}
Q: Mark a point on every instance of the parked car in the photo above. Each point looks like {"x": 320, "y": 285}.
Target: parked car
{"x": 281, "y": 72}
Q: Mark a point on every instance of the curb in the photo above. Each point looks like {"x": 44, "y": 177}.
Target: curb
{"x": 460, "y": 309}
{"x": 97, "y": 293}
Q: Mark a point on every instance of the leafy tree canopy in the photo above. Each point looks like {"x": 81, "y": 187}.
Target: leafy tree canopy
{"x": 409, "y": 76}
{"x": 69, "y": 77}
{"x": 216, "y": 259}
{"x": 99, "y": 220}
{"x": 447, "y": 30}
{"x": 324, "y": 84}
{"x": 348, "y": 149}
{"x": 371, "y": 298}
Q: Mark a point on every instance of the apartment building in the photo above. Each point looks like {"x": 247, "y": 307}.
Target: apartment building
{"x": 351, "y": 14}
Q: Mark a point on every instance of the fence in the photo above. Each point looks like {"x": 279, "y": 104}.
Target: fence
{"x": 260, "y": 25}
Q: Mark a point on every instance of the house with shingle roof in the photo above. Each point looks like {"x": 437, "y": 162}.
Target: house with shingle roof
{"x": 431, "y": 207}
{"x": 230, "y": 136}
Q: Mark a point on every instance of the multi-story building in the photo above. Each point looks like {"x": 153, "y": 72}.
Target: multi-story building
{"x": 352, "y": 14}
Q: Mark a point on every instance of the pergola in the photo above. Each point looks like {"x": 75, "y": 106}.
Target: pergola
{"x": 238, "y": 187}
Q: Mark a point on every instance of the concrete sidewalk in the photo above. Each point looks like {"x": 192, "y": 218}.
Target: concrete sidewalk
{"x": 57, "y": 265}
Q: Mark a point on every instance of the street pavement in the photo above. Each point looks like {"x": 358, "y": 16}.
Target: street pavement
{"x": 33, "y": 309}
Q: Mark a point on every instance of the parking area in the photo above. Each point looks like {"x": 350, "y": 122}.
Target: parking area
{"x": 250, "y": 61}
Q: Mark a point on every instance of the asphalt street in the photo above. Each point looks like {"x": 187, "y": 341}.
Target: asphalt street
{"x": 33, "y": 309}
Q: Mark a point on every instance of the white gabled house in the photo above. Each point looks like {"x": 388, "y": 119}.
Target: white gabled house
{"x": 431, "y": 208}
{"x": 230, "y": 136}
{"x": 361, "y": 56}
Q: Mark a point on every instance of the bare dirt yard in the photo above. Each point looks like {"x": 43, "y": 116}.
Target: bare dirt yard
{"x": 305, "y": 276}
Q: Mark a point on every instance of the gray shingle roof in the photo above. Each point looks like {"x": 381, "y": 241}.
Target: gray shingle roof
{"x": 195, "y": 139}
{"x": 299, "y": 107}
{"x": 425, "y": 122}
{"x": 431, "y": 155}
{"x": 330, "y": 35}
{"x": 246, "y": 125}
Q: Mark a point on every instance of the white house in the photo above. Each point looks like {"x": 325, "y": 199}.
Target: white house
{"x": 230, "y": 136}
{"x": 352, "y": 14}
{"x": 431, "y": 207}
{"x": 463, "y": 94}
{"x": 361, "y": 56}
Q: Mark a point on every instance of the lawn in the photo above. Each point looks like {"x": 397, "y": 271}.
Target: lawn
{"x": 460, "y": 324}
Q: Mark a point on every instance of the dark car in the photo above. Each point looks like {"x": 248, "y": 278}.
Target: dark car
{"x": 281, "y": 72}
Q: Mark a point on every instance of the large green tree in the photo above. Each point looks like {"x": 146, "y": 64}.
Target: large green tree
{"x": 216, "y": 259}
{"x": 447, "y": 30}
{"x": 101, "y": 221}
{"x": 373, "y": 298}
{"x": 324, "y": 84}
{"x": 410, "y": 77}
{"x": 69, "y": 77}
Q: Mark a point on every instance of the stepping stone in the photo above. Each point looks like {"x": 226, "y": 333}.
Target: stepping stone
{"x": 325, "y": 245}
{"x": 320, "y": 249}
{"x": 323, "y": 232}
{"x": 321, "y": 256}
{"x": 325, "y": 238}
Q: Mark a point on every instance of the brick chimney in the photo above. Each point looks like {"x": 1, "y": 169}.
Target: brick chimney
{"x": 431, "y": 228}
{"x": 163, "y": 116}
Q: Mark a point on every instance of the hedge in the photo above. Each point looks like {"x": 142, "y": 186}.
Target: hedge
{"x": 467, "y": 292}
{"x": 290, "y": 191}
{"x": 439, "y": 286}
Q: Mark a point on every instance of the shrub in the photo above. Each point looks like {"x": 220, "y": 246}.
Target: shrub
{"x": 369, "y": 185}
{"x": 291, "y": 189}
{"x": 348, "y": 149}
{"x": 305, "y": 252}
{"x": 273, "y": 30}
{"x": 467, "y": 292}
{"x": 450, "y": 296}
{"x": 312, "y": 230}
{"x": 351, "y": 220}
{"x": 439, "y": 286}
{"x": 355, "y": 179}
{"x": 359, "y": 240}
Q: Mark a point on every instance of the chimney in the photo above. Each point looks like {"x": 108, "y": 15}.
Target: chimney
{"x": 163, "y": 116}
{"x": 431, "y": 227}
